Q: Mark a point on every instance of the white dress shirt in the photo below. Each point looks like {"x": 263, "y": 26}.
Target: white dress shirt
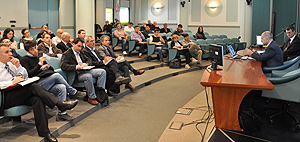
{"x": 6, "y": 78}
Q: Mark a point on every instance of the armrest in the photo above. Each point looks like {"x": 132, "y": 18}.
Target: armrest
{"x": 172, "y": 54}
{"x": 151, "y": 49}
{"x": 276, "y": 73}
{"x": 285, "y": 78}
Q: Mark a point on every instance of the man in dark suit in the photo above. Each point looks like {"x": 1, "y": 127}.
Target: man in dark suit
{"x": 31, "y": 94}
{"x": 165, "y": 29}
{"x": 272, "y": 56}
{"x": 113, "y": 77}
{"x": 123, "y": 65}
{"x": 75, "y": 61}
{"x": 46, "y": 47}
{"x": 291, "y": 47}
{"x": 65, "y": 44}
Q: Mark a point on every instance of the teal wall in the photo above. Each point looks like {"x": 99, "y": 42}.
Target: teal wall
{"x": 260, "y": 17}
{"x": 286, "y": 13}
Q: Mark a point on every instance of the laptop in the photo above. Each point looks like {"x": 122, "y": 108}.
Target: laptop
{"x": 233, "y": 54}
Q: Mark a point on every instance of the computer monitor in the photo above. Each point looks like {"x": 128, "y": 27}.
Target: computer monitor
{"x": 216, "y": 55}
{"x": 258, "y": 40}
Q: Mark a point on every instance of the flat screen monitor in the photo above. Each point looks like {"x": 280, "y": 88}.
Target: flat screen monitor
{"x": 258, "y": 40}
{"x": 216, "y": 55}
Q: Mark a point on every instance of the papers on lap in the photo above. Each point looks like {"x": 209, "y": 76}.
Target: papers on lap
{"x": 23, "y": 83}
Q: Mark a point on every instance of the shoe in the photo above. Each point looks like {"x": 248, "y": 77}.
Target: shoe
{"x": 129, "y": 86}
{"x": 49, "y": 138}
{"x": 64, "y": 117}
{"x": 93, "y": 101}
{"x": 138, "y": 72}
{"x": 122, "y": 80}
{"x": 187, "y": 66}
{"x": 161, "y": 63}
{"x": 113, "y": 94}
{"x": 78, "y": 95}
{"x": 66, "y": 105}
{"x": 124, "y": 53}
{"x": 141, "y": 56}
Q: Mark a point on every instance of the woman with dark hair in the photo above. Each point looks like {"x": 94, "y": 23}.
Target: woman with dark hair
{"x": 26, "y": 36}
{"x": 200, "y": 34}
{"x": 9, "y": 34}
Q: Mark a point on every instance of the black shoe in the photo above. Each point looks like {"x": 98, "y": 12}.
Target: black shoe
{"x": 78, "y": 95}
{"x": 65, "y": 117}
{"x": 66, "y": 105}
{"x": 113, "y": 94}
{"x": 49, "y": 138}
{"x": 122, "y": 80}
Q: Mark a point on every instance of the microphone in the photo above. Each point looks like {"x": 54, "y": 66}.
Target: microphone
{"x": 291, "y": 24}
{"x": 239, "y": 37}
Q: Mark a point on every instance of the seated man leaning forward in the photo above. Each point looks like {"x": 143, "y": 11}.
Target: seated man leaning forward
{"x": 272, "y": 56}
{"x": 11, "y": 73}
{"x": 49, "y": 80}
{"x": 123, "y": 65}
{"x": 113, "y": 77}
{"x": 75, "y": 61}
{"x": 47, "y": 47}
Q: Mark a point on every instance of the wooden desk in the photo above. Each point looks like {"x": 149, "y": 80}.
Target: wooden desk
{"x": 230, "y": 85}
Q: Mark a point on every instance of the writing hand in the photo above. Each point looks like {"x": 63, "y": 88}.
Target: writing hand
{"x": 17, "y": 79}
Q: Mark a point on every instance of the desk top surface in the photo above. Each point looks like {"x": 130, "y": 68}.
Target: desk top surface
{"x": 237, "y": 73}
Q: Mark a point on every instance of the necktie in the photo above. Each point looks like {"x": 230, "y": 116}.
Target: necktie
{"x": 287, "y": 45}
{"x": 109, "y": 52}
{"x": 10, "y": 71}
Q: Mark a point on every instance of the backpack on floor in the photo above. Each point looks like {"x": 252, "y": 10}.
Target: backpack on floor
{"x": 102, "y": 96}
{"x": 174, "y": 64}
{"x": 249, "y": 121}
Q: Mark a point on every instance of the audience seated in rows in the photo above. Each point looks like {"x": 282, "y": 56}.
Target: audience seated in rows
{"x": 12, "y": 50}
{"x": 178, "y": 31}
{"x": 46, "y": 47}
{"x": 155, "y": 26}
{"x": 181, "y": 50}
{"x": 159, "y": 42}
{"x": 193, "y": 48}
{"x": 65, "y": 44}
{"x": 74, "y": 61}
{"x": 147, "y": 31}
{"x": 113, "y": 77}
{"x": 143, "y": 27}
{"x": 122, "y": 37}
{"x": 151, "y": 26}
{"x": 200, "y": 33}
{"x": 9, "y": 33}
{"x": 45, "y": 29}
{"x": 140, "y": 40}
{"x": 107, "y": 27}
{"x": 26, "y": 37}
{"x": 129, "y": 28}
{"x": 123, "y": 65}
{"x": 49, "y": 80}
{"x": 165, "y": 29}
{"x": 57, "y": 38}
{"x": 31, "y": 94}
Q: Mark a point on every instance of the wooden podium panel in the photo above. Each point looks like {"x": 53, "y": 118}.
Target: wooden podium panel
{"x": 230, "y": 85}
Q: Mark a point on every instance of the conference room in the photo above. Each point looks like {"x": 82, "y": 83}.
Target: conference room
{"x": 184, "y": 70}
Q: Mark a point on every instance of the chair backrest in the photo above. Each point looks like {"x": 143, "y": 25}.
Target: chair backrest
{"x": 201, "y": 42}
{"x": 214, "y": 36}
{"x": 227, "y": 40}
{"x": 236, "y": 40}
{"x": 210, "y": 41}
{"x": 54, "y": 62}
{"x": 180, "y": 38}
{"x": 16, "y": 39}
{"x": 169, "y": 44}
{"x": 21, "y": 52}
{"x": 206, "y": 34}
{"x": 162, "y": 34}
{"x": 187, "y": 31}
{"x": 208, "y": 37}
{"x": 223, "y": 36}
{"x": 218, "y": 40}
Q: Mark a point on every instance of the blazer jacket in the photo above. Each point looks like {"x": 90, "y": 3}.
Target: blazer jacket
{"x": 88, "y": 53}
{"x": 103, "y": 52}
{"x": 272, "y": 56}
{"x": 43, "y": 49}
{"x": 293, "y": 50}
{"x": 63, "y": 47}
{"x": 69, "y": 62}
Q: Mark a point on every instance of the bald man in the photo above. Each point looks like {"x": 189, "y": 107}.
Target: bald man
{"x": 57, "y": 38}
{"x": 65, "y": 44}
